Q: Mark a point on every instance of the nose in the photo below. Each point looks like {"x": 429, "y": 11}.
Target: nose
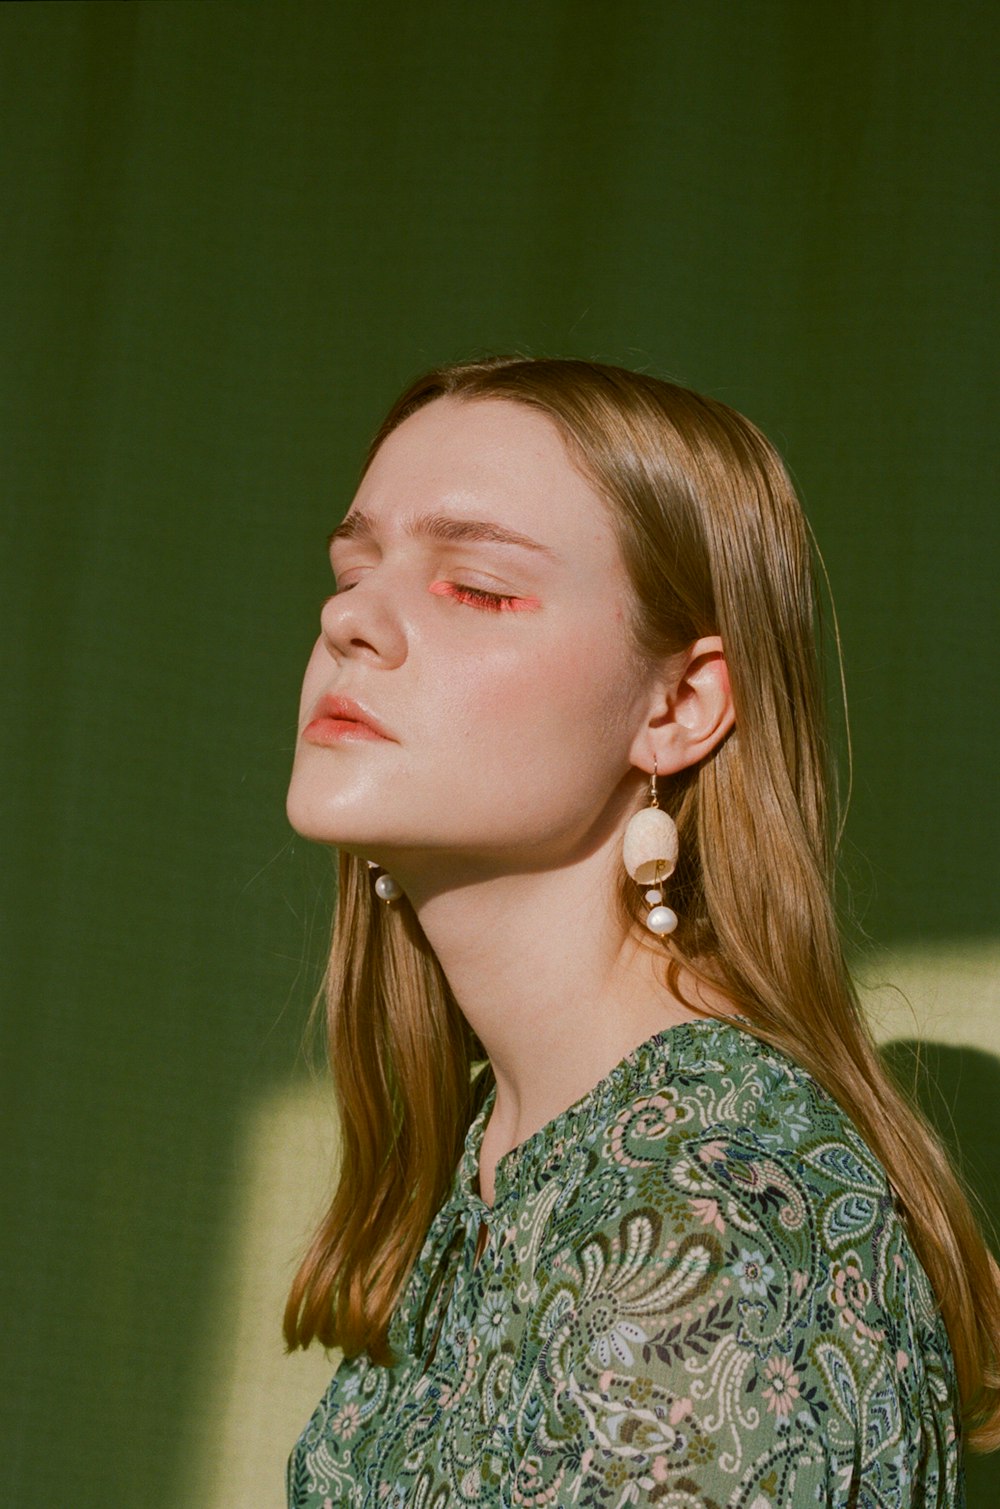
{"x": 362, "y": 623}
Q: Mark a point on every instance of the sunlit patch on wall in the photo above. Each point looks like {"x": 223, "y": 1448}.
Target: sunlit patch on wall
{"x": 952, "y": 988}
{"x": 254, "y": 1398}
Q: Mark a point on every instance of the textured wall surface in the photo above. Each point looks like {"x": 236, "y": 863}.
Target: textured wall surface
{"x": 230, "y": 233}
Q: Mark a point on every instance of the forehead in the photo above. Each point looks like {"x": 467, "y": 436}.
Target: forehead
{"x": 493, "y": 460}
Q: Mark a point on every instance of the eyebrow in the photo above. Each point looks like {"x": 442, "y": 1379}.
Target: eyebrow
{"x": 438, "y": 526}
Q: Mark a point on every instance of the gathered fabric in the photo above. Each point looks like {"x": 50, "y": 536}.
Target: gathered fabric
{"x": 695, "y": 1287}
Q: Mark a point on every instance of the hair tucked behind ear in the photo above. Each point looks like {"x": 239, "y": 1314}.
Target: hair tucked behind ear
{"x": 715, "y": 543}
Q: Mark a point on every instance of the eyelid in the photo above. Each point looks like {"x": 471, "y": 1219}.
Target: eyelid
{"x": 489, "y": 597}
{"x": 338, "y": 580}
{"x": 356, "y": 552}
{"x": 479, "y": 597}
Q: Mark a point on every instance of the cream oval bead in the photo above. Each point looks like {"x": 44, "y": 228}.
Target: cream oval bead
{"x": 654, "y": 897}
{"x": 661, "y": 920}
{"x": 649, "y": 847}
{"x": 388, "y": 888}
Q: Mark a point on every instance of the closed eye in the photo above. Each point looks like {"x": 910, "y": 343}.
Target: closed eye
{"x": 476, "y": 597}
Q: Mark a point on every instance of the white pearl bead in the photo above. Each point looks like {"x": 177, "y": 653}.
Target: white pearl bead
{"x": 654, "y": 897}
{"x": 661, "y": 920}
{"x": 387, "y": 888}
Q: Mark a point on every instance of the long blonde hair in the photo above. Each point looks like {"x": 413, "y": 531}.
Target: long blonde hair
{"x": 715, "y": 542}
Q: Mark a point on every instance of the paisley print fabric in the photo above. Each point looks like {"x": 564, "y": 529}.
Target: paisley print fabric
{"x": 694, "y": 1290}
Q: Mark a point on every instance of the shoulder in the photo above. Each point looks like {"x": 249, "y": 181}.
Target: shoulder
{"x": 732, "y": 1191}
{"x": 734, "y": 1137}
{"x": 716, "y": 1094}
{"x": 734, "y": 1291}
{"x": 712, "y": 1130}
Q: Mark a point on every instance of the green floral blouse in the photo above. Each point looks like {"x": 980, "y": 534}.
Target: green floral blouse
{"x": 694, "y": 1289}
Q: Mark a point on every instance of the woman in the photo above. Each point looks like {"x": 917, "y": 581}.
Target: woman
{"x": 681, "y": 1240}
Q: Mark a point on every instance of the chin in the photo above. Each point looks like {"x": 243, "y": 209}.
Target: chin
{"x": 308, "y": 818}
{"x": 312, "y": 819}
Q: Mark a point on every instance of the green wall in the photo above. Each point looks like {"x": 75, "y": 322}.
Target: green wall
{"x": 230, "y": 233}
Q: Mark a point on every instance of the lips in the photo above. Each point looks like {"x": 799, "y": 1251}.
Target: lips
{"x": 346, "y": 710}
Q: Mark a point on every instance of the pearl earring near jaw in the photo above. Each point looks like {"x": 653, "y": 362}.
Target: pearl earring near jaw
{"x": 649, "y": 849}
{"x": 386, "y": 887}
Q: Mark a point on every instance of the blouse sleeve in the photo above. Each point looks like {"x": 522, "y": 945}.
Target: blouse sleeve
{"x": 709, "y": 1348}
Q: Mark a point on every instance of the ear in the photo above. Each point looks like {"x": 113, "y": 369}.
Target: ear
{"x": 691, "y": 711}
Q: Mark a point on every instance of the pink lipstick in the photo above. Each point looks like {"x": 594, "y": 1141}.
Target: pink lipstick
{"x": 337, "y": 718}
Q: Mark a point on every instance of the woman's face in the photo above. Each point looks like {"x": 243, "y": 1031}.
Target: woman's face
{"x": 510, "y": 716}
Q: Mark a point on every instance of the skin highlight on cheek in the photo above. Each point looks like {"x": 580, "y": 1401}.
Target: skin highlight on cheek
{"x": 477, "y": 597}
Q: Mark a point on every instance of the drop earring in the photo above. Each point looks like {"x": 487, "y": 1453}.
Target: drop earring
{"x": 386, "y": 888}
{"x": 649, "y": 850}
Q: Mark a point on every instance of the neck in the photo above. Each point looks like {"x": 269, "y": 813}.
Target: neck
{"x": 543, "y": 974}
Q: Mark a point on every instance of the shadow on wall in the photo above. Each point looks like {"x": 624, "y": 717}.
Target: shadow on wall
{"x": 959, "y": 1091}
{"x": 956, "y": 1088}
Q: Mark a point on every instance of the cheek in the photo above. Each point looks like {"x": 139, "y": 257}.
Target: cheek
{"x": 555, "y": 694}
